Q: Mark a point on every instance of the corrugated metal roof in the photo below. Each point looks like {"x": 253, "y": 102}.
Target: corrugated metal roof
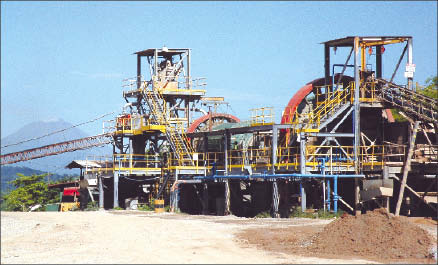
{"x": 83, "y": 164}
{"x": 169, "y": 52}
{"x": 349, "y": 41}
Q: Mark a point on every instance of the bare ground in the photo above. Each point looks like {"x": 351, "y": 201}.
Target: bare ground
{"x": 146, "y": 237}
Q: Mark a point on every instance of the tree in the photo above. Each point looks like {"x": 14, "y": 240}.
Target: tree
{"x": 29, "y": 190}
{"x": 431, "y": 88}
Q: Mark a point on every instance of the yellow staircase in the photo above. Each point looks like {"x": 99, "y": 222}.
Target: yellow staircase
{"x": 333, "y": 105}
{"x": 174, "y": 130}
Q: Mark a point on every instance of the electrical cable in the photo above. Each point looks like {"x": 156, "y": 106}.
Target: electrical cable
{"x": 65, "y": 129}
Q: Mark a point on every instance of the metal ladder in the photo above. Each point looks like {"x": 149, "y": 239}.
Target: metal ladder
{"x": 174, "y": 131}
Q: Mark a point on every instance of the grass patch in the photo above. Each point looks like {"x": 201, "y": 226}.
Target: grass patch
{"x": 265, "y": 214}
{"x": 92, "y": 206}
{"x": 145, "y": 207}
{"x": 320, "y": 214}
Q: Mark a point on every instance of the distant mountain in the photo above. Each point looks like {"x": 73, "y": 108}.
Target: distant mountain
{"x": 9, "y": 173}
{"x": 53, "y": 164}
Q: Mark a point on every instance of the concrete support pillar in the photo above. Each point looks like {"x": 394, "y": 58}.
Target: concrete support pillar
{"x": 303, "y": 196}
{"x": 274, "y": 147}
{"x": 101, "y": 192}
{"x": 226, "y": 148}
{"x": 116, "y": 190}
{"x": 205, "y": 198}
{"x": 275, "y": 199}
{"x": 386, "y": 176}
{"x": 131, "y": 150}
{"x": 227, "y": 197}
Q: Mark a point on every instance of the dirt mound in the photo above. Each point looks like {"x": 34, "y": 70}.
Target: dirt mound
{"x": 376, "y": 234}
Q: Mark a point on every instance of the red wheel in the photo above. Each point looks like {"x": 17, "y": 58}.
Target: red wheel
{"x": 201, "y": 124}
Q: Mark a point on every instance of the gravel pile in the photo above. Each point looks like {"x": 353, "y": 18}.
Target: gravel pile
{"x": 377, "y": 234}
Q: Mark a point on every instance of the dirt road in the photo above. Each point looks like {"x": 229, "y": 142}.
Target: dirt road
{"x": 140, "y": 237}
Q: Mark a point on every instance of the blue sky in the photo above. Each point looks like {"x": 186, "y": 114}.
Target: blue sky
{"x": 67, "y": 59}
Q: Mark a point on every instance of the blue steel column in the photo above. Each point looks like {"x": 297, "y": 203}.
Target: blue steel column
{"x": 302, "y": 170}
{"x": 116, "y": 190}
{"x": 335, "y": 194}
{"x": 356, "y": 121}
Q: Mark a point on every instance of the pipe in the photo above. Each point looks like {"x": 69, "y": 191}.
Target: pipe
{"x": 275, "y": 176}
{"x": 335, "y": 194}
{"x": 328, "y": 195}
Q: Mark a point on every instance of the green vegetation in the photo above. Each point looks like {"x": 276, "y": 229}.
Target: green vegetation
{"x": 9, "y": 173}
{"x": 92, "y": 206}
{"x": 145, "y": 207}
{"x": 297, "y": 213}
{"x": 265, "y": 214}
{"x": 431, "y": 88}
{"x": 397, "y": 116}
{"x": 320, "y": 214}
{"x": 29, "y": 191}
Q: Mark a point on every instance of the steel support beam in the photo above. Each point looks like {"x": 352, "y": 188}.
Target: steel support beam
{"x": 356, "y": 123}
{"x": 410, "y": 61}
{"x": 189, "y": 81}
{"x": 274, "y": 147}
{"x": 407, "y": 167}
{"x": 319, "y": 134}
{"x": 138, "y": 71}
{"x": 327, "y": 65}
{"x": 379, "y": 61}
{"x": 398, "y": 63}
{"x": 303, "y": 140}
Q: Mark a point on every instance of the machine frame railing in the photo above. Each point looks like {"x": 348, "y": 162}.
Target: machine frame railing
{"x": 262, "y": 116}
{"x": 338, "y": 159}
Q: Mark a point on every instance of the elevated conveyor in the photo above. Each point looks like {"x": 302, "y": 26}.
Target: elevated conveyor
{"x": 415, "y": 105}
